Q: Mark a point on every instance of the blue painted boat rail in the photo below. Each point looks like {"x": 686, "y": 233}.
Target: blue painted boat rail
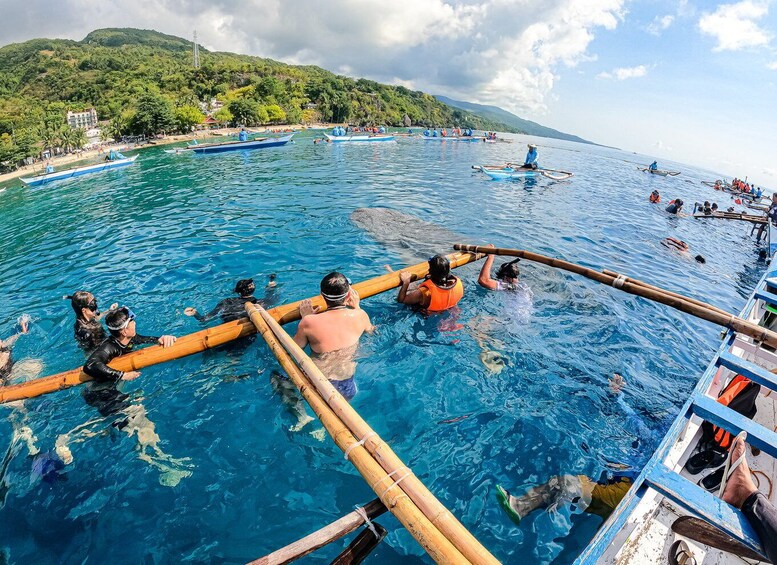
{"x": 656, "y": 476}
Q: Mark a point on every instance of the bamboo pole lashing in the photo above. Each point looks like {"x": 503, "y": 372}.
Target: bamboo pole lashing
{"x": 394, "y": 498}
{"x": 674, "y": 300}
{"x": 667, "y": 292}
{"x": 211, "y": 337}
{"x": 323, "y": 536}
{"x": 438, "y": 514}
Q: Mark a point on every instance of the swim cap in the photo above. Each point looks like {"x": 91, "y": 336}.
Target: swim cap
{"x": 335, "y": 287}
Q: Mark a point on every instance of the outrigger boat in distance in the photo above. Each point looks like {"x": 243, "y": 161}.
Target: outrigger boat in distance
{"x": 259, "y": 143}
{"x": 512, "y": 171}
{"x": 78, "y": 171}
{"x": 360, "y": 137}
{"x": 659, "y": 172}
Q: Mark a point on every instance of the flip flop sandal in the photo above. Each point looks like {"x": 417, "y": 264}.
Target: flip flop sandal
{"x": 504, "y": 501}
{"x": 712, "y": 481}
{"x": 680, "y": 554}
{"x": 708, "y": 459}
{"x": 729, "y": 468}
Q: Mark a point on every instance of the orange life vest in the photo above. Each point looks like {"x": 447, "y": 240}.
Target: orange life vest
{"x": 733, "y": 390}
{"x": 655, "y": 198}
{"x": 442, "y": 298}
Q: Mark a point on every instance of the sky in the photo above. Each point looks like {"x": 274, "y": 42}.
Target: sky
{"x": 687, "y": 81}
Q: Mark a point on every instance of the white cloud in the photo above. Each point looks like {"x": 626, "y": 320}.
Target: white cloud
{"x": 508, "y": 52}
{"x": 622, "y": 73}
{"x": 735, "y": 25}
{"x": 659, "y": 24}
{"x": 772, "y": 66}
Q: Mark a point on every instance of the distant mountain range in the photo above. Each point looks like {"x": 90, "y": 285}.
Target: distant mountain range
{"x": 496, "y": 114}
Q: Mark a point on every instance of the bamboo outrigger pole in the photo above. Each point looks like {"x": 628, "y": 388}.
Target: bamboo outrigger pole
{"x": 209, "y": 338}
{"x": 638, "y": 288}
{"x": 386, "y": 486}
{"x": 432, "y": 508}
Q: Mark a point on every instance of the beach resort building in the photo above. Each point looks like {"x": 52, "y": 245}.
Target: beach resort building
{"x": 86, "y": 119}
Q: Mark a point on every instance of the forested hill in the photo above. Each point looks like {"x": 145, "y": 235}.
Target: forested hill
{"x": 121, "y": 71}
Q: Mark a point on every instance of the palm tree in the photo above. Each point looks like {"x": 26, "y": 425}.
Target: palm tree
{"x": 49, "y": 138}
{"x": 79, "y": 139}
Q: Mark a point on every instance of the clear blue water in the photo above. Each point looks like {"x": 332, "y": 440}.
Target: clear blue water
{"x": 175, "y": 231}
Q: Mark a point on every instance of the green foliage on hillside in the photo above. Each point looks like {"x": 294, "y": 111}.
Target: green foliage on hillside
{"x": 144, "y": 82}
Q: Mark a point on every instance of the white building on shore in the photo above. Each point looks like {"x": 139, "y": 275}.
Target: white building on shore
{"x": 86, "y": 119}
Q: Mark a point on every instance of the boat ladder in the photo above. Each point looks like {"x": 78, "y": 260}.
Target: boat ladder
{"x": 656, "y": 476}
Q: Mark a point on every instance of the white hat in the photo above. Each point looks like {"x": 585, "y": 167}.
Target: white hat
{"x": 532, "y": 146}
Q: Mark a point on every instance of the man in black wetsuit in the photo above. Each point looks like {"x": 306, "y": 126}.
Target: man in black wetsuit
{"x": 123, "y": 338}
{"x": 231, "y": 309}
{"x": 104, "y": 395}
{"x": 88, "y": 330}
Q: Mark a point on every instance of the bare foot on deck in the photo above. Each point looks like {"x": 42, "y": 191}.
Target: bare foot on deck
{"x": 740, "y": 485}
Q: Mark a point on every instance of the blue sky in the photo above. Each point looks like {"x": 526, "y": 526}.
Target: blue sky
{"x": 687, "y": 81}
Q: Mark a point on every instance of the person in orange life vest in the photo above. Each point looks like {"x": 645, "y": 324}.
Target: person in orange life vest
{"x": 439, "y": 292}
{"x": 655, "y": 197}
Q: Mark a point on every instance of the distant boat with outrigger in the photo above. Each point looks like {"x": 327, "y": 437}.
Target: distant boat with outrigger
{"x": 659, "y": 172}
{"x": 114, "y": 160}
{"x": 239, "y": 145}
{"x": 341, "y": 135}
{"x": 514, "y": 171}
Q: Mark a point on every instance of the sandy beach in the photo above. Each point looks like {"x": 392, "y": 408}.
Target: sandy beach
{"x": 93, "y": 154}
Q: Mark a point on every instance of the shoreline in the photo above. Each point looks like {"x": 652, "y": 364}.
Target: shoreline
{"x": 92, "y": 154}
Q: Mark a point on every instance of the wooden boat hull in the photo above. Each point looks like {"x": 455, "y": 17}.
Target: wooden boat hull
{"x": 509, "y": 172}
{"x": 241, "y": 145}
{"x": 78, "y": 172}
{"x": 371, "y": 138}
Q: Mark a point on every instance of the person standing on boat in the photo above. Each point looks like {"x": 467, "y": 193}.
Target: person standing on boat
{"x": 531, "y": 157}
{"x": 231, "y": 309}
{"x": 88, "y": 330}
{"x": 439, "y": 292}
{"x": 243, "y": 135}
{"x": 333, "y": 335}
{"x": 49, "y": 167}
{"x": 653, "y": 166}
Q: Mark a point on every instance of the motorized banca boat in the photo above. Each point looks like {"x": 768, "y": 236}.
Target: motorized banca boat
{"x": 659, "y": 172}
{"x": 261, "y": 143}
{"x": 78, "y": 171}
{"x": 453, "y": 138}
{"x": 510, "y": 171}
{"x": 360, "y": 137}
{"x": 666, "y": 502}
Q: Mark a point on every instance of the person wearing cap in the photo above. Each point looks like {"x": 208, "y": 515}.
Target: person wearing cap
{"x": 333, "y": 335}
{"x": 653, "y": 166}
{"x": 531, "y": 157}
{"x": 233, "y": 308}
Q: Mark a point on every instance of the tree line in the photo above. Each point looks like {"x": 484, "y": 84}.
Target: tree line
{"x": 143, "y": 82}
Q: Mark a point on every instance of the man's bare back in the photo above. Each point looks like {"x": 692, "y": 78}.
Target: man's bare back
{"x": 334, "y": 329}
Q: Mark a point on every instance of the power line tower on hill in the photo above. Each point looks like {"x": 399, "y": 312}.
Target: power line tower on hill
{"x": 196, "y": 52}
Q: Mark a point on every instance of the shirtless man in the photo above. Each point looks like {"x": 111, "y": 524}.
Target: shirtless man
{"x": 334, "y": 334}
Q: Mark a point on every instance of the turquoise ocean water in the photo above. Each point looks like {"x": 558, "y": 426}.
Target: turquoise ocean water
{"x": 177, "y": 231}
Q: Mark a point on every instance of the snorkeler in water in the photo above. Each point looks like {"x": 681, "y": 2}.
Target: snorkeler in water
{"x": 506, "y": 275}
{"x": 594, "y": 497}
{"x": 87, "y": 329}
{"x": 105, "y": 395}
{"x": 231, "y": 309}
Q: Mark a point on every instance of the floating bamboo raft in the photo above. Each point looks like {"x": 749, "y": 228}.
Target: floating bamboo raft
{"x": 742, "y": 216}
{"x": 208, "y": 338}
{"x": 430, "y": 523}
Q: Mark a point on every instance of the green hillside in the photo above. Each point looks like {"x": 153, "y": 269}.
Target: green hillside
{"x": 144, "y": 82}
